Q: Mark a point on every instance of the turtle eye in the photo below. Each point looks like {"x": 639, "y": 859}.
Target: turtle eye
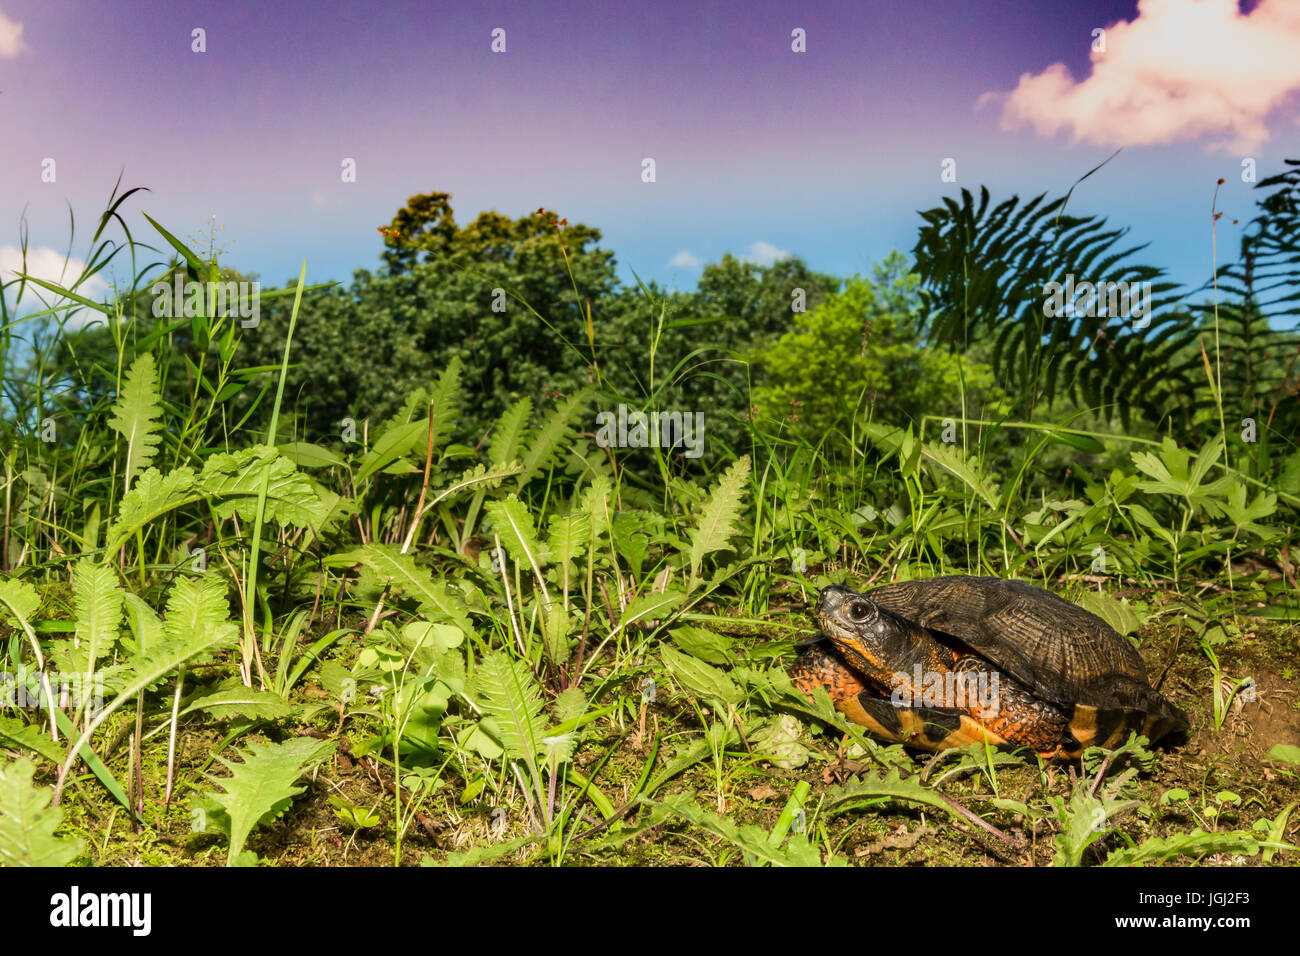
{"x": 860, "y": 610}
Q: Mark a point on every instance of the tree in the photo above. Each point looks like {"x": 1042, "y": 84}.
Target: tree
{"x": 860, "y": 352}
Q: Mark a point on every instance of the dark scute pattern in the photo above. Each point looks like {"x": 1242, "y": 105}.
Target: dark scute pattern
{"x": 1062, "y": 652}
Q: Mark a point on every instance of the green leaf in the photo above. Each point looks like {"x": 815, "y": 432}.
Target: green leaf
{"x": 701, "y": 678}
{"x": 396, "y": 442}
{"x": 483, "y": 854}
{"x": 230, "y": 483}
{"x": 1196, "y": 843}
{"x": 706, "y": 645}
{"x": 400, "y": 572}
{"x": 1285, "y": 753}
{"x": 1118, "y": 614}
{"x": 554, "y": 435}
{"x": 509, "y": 695}
{"x": 513, "y": 522}
{"x": 28, "y": 822}
{"x": 750, "y": 839}
{"x": 871, "y": 788}
{"x": 718, "y": 520}
{"x": 507, "y": 437}
{"x": 651, "y": 607}
{"x": 261, "y": 787}
{"x": 306, "y": 455}
{"x": 233, "y": 699}
{"x": 568, "y": 537}
{"x": 778, "y": 741}
{"x": 18, "y": 602}
{"x": 18, "y": 735}
{"x": 97, "y": 600}
{"x": 359, "y": 818}
{"x": 136, "y": 415}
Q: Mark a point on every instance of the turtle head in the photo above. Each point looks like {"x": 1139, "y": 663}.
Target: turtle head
{"x": 875, "y": 641}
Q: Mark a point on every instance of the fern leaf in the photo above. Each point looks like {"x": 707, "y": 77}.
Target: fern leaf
{"x": 136, "y": 416}
{"x": 198, "y": 606}
{"x": 595, "y": 504}
{"x": 718, "y": 521}
{"x": 28, "y": 822}
{"x": 443, "y": 399}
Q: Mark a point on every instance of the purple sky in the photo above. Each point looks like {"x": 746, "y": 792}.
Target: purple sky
{"x": 825, "y": 154}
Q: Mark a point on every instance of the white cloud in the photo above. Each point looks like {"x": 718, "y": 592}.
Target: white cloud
{"x": 11, "y": 37}
{"x": 1181, "y": 70}
{"x": 764, "y": 253}
{"x": 686, "y": 260}
{"x": 49, "y": 264}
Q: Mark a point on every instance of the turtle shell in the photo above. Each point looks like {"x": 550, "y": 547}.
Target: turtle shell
{"x": 1057, "y": 650}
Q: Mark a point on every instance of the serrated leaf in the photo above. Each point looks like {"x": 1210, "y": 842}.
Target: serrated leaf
{"x": 514, "y": 524}
{"x": 651, "y": 607}
{"x": 20, "y": 736}
{"x": 555, "y": 433}
{"x": 871, "y": 787}
{"x": 507, "y": 437}
{"x": 400, "y": 572}
{"x": 700, "y": 678}
{"x": 1196, "y": 843}
{"x": 706, "y": 645}
{"x": 509, "y": 695}
{"x": 750, "y": 839}
{"x": 197, "y": 607}
{"x": 569, "y": 705}
{"x": 568, "y": 536}
{"x": 235, "y": 700}
{"x": 262, "y": 787}
{"x": 231, "y": 483}
{"x": 136, "y": 415}
{"x": 97, "y": 601}
{"x": 28, "y": 822}
{"x": 18, "y": 602}
{"x": 718, "y": 520}
{"x": 477, "y": 477}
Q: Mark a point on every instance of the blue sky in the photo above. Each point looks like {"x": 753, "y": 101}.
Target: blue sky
{"x": 759, "y": 150}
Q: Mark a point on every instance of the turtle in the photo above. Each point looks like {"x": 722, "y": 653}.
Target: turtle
{"x": 948, "y": 661}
